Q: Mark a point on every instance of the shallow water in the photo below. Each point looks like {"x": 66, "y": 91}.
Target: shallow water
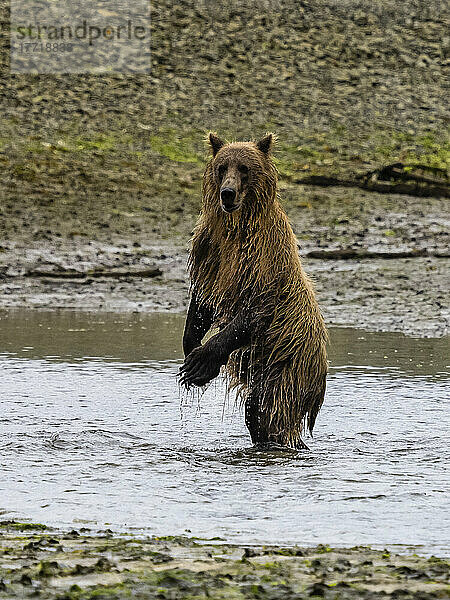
{"x": 94, "y": 432}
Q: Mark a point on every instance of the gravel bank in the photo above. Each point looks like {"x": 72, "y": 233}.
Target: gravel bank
{"x": 80, "y": 565}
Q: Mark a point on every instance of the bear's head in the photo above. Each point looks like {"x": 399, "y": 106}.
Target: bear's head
{"x": 240, "y": 174}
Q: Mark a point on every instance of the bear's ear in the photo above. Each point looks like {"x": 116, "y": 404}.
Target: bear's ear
{"x": 266, "y": 143}
{"x": 216, "y": 142}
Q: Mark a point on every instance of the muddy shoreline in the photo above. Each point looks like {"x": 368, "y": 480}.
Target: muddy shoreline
{"x": 83, "y": 564}
{"x": 408, "y": 295}
{"x": 379, "y": 261}
{"x": 101, "y": 174}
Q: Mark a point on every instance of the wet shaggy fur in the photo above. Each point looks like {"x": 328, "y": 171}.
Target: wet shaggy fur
{"x": 248, "y": 261}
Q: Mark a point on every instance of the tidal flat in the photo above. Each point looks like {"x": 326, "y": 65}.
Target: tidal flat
{"x": 37, "y": 561}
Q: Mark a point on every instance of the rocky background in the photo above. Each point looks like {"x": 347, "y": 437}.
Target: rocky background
{"x": 101, "y": 170}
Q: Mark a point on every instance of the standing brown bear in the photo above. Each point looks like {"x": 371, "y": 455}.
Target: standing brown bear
{"x": 248, "y": 281}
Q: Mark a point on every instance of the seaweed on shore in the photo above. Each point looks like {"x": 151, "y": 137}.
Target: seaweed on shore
{"x": 51, "y": 564}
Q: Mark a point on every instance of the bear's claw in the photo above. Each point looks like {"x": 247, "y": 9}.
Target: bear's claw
{"x": 198, "y": 368}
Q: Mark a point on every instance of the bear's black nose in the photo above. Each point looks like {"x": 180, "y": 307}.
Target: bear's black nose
{"x": 228, "y": 196}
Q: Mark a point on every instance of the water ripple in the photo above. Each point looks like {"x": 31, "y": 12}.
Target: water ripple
{"x": 110, "y": 442}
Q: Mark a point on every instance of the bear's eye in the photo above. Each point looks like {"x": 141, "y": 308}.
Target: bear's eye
{"x": 243, "y": 169}
{"x": 221, "y": 171}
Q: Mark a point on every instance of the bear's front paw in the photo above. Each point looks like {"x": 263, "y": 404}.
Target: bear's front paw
{"x": 200, "y": 366}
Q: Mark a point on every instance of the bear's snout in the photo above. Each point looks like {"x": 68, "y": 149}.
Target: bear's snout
{"x": 228, "y": 196}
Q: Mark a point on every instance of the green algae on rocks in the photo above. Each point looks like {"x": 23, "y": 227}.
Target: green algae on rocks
{"x": 60, "y": 565}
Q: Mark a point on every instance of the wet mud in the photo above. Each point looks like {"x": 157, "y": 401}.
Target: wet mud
{"x": 409, "y": 295}
{"x": 82, "y": 564}
{"x": 100, "y": 175}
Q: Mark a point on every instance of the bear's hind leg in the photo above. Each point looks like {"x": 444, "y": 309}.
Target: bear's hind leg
{"x": 253, "y": 420}
{"x": 280, "y": 440}
{"x": 260, "y": 430}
